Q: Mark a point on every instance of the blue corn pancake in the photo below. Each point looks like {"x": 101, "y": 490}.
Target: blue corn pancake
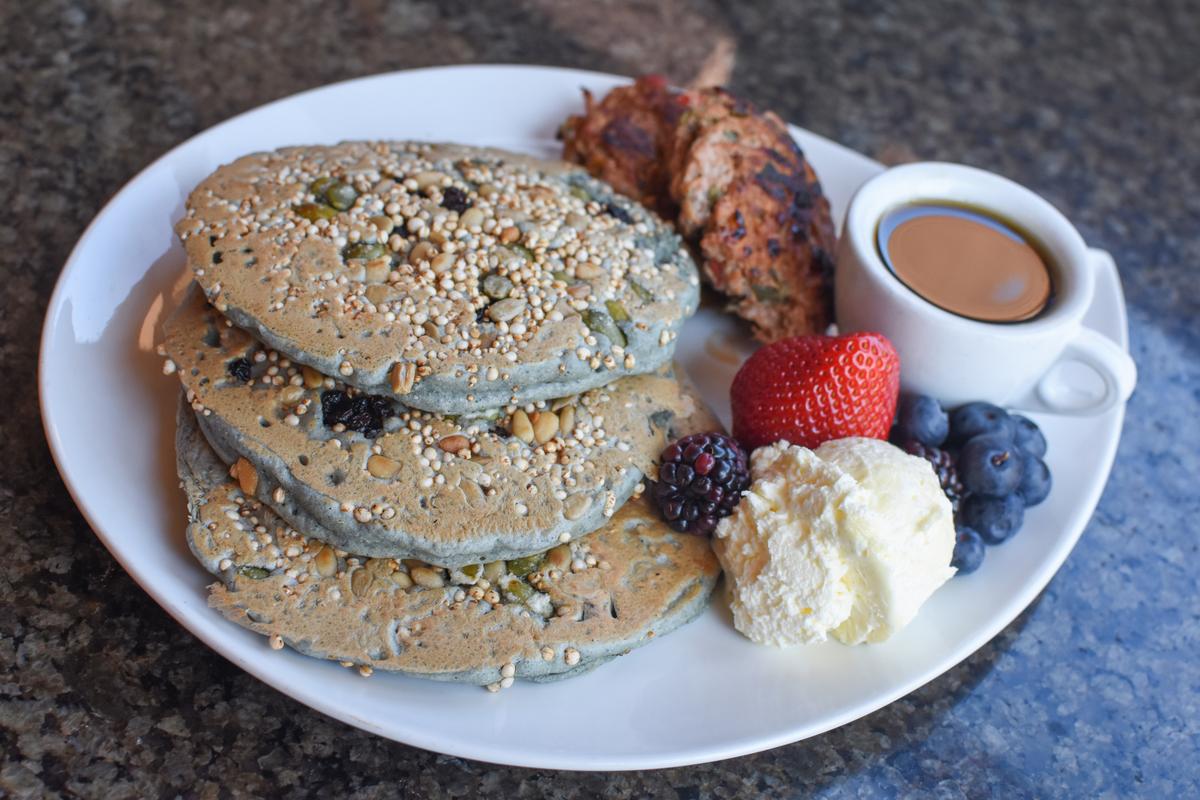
{"x": 452, "y": 278}
{"x": 369, "y": 474}
{"x": 551, "y": 615}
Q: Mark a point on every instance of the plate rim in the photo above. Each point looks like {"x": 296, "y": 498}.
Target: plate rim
{"x": 1032, "y": 586}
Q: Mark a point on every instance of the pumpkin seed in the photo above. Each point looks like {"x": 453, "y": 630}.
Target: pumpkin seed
{"x": 617, "y": 311}
{"x": 767, "y": 294}
{"x": 517, "y": 590}
{"x": 341, "y": 195}
{"x": 522, "y": 251}
{"x": 641, "y": 291}
{"x": 254, "y": 573}
{"x": 524, "y": 565}
{"x": 494, "y": 570}
{"x": 315, "y": 211}
{"x": 365, "y": 250}
{"x": 472, "y": 571}
{"x": 320, "y": 185}
{"x": 603, "y": 325}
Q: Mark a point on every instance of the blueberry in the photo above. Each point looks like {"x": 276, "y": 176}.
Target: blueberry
{"x": 1035, "y": 479}
{"x": 990, "y": 464}
{"x": 1028, "y": 436}
{"x": 995, "y": 518}
{"x": 968, "y": 550}
{"x": 973, "y": 419}
{"x": 921, "y": 418}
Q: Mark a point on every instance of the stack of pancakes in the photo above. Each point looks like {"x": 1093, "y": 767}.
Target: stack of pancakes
{"x": 423, "y": 385}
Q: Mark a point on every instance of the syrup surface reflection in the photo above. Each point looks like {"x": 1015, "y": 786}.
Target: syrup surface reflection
{"x": 965, "y": 262}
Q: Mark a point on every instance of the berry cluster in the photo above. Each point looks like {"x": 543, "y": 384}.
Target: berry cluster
{"x": 989, "y": 463}
{"x": 364, "y": 413}
{"x": 700, "y": 480}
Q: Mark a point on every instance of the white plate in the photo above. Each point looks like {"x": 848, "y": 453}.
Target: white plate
{"x": 701, "y": 694}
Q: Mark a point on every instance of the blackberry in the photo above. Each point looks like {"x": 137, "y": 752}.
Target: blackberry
{"x": 239, "y": 368}
{"x": 618, "y": 213}
{"x": 364, "y": 413}
{"x": 944, "y": 466}
{"x": 700, "y": 480}
{"x": 455, "y": 199}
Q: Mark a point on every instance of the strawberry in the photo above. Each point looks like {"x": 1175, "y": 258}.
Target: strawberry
{"x": 810, "y": 389}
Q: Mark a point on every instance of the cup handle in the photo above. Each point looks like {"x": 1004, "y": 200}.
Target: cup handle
{"x": 1103, "y": 356}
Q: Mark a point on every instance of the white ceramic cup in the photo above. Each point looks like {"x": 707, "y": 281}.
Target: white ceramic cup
{"x": 956, "y": 359}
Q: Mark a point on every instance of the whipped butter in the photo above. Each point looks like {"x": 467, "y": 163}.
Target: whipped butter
{"x": 847, "y": 541}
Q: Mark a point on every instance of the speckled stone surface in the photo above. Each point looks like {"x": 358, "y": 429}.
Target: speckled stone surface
{"x": 1093, "y": 692}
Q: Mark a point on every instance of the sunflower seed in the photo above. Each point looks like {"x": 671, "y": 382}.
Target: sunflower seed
{"x": 521, "y": 427}
{"x": 504, "y": 310}
{"x": 325, "y": 562}
{"x": 575, "y": 506}
{"x": 545, "y": 425}
{"x": 382, "y": 466}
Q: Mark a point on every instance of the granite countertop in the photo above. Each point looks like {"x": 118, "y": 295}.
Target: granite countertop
{"x": 1092, "y": 692}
